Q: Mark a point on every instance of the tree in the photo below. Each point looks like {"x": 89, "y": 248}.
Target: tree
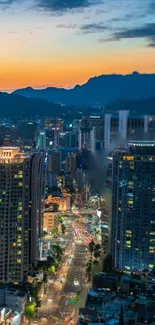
{"x": 60, "y": 219}
{"x": 97, "y": 254}
{"x": 98, "y": 247}
{"x": 57, "y": 250}
{"x": 88, "y": 270}
{"x": 51, "y": 270}
{"x": 91, "y": 247}
{"x": 55, "y": 231}
{"x": 63, "y": 228}
{"x": 30, "y": 308}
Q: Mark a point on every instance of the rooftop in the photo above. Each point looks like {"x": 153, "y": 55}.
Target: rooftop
{"x": 141, "y": 143}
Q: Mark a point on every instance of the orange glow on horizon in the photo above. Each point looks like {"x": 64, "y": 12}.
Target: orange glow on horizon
{"x": 60, "y": 72}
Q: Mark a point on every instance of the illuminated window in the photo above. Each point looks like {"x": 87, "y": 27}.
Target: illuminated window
{"x": 151, "y": 266}
{"x": 128, "y": 231}
{"x": 130, "y": 202}
{"x": 19, "y": 216}
{"x": 153, "y": 199}
{"x": 19, "y": 261}
{"x": 128, "y": 242}
{"x": 127, "y": 267}
{"x": 20, "y": 184}
{"x": 0, "y": 200}
{"x": 128, "y": 157}
{"x": 19, "y": 252}
{"x": 20, "y": 172}
{"x": 19, "y": 228}
{"x": 14, "y": 244}
{"x": 152, "y": 233}
{"x": 150, "y": 158}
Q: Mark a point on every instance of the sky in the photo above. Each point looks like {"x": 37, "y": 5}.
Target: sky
{"x": 65, "y": 42}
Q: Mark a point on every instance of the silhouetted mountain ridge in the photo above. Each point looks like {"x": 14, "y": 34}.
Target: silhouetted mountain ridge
{"x": 14, "y": 105}
{"x": 99, "y": 90}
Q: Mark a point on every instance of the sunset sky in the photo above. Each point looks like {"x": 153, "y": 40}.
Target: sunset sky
{"x": 65, "y": 42}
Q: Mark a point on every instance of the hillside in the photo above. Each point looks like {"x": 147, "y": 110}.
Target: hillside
{"x": 98, "y": 90}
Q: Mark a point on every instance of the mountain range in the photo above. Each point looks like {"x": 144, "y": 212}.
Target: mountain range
{"x": 98, "y": 90}
{"x": 113, "y": 92}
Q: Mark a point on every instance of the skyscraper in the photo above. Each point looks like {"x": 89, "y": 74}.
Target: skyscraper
{"x": 133, "y": 206}
{"x": 87, "y": 139}
{"x": 54, "y": 161}
{"x": 21, "y": 209}
{"x": 42, "y": 140}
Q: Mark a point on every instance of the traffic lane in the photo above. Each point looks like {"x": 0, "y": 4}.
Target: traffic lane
{"x": 69, "y": 287}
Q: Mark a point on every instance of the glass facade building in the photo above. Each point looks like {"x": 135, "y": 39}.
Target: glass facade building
{"x": 133, "y": 206}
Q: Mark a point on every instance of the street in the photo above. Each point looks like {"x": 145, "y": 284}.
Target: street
{"x": 58, "y": 305}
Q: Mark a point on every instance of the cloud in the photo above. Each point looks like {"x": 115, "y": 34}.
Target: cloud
{"x": 146, "y": 32}
{"x": 6, "y": 2}
{"x": 93, "y": 28}
{"x": 61, "y": 6}
{"x": 68, "y": 26}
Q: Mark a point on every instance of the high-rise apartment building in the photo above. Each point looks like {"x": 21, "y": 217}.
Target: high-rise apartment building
{"x": 21, "y": 211}
{"x": 133, "y": 206}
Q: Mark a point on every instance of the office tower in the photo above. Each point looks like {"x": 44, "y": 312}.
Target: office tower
{"x": 21, "y": 210}
{"x": 133, "y": 206}
{"x": 75, "y": 161}
{"x": 68, "y": 139}
{"x": 122, "y": 126}
{"x": 42, "y": 140}
{"x": 87, "y": 139}
{"x": 96, "y": 122}
{"x": 54, "y": 161}
{"x": 82, "y": 183}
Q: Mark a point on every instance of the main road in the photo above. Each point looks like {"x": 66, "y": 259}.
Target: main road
{"x": 57, "y": 307}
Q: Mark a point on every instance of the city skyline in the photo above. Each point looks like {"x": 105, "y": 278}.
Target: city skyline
{"x": 64, "y": 43}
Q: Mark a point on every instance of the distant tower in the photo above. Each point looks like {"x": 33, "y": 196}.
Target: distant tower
{"x": 42, "y": 140}
{"x": 107, "y": 131}
{"x": 87, "y": 139}
{"x": 123, "y": 119}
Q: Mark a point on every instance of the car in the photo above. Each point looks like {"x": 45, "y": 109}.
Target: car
{"x": 50, "y": 297}
{"x": 35, "y": 321}
{"x": 59, "y": 293}
{"x": 45, "y": 315}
